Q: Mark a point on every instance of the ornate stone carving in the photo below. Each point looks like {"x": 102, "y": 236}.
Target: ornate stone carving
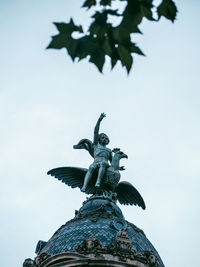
{"x": 40, "y": 258}
{"x": 119, "y": 224}
{"x": 151, "y": 259}
{"x": 91, "y": 246}
{"x": 121, "y": 249}
{"x": 29, "y": 263}
{"x": 40, "y": 246}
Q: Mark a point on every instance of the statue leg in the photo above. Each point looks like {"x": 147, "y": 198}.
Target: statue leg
{"x": 87, "y": 178}
{"x": 100, "y": 175}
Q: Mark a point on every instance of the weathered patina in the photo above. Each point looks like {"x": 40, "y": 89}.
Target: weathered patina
{"x": 103, "y": 175}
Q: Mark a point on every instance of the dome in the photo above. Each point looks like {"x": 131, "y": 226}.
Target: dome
{"x": 98, "y": 219}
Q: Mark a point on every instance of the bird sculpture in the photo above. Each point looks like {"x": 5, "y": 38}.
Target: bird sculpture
{"x": 124, "y": 191}
{"x": 102, "y": 177}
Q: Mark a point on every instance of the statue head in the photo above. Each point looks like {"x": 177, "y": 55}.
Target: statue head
{"x": 103, "y": 139}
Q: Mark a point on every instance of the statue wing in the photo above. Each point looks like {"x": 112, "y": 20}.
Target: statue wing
{"x": 85, "y": 144}
{"x": 127, "y": 194}
{"x": 72, "y": 176}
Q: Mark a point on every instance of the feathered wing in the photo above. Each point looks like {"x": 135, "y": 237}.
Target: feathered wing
{"x": 85, "y": 144}
{"x": 73, "y": 177}
{"x": 127, "y": 194}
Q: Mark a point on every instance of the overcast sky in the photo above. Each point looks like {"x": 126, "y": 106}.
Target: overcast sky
{"x": 48, "y": 103}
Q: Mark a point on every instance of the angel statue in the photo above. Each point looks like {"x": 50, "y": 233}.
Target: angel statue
{"x": 103, "y": 174}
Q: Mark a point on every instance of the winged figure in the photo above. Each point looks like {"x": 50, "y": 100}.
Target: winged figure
{"x": 125, "y": 192}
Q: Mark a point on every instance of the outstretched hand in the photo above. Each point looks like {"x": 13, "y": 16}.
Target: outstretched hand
{"x": 103, "y": 115}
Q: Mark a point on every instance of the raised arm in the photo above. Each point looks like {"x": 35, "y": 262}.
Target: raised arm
{"x": 96, "y": 128}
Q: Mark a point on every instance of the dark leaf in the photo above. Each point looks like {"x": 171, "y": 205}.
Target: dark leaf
{"x": 98, "y": 59}
{"x": 64, "y": 39}
{"x": 113, "y": 62}
{"x": 71, "y": 46}
{"x": 89, "y": 3}
{"x": 103, "y": 38}
{"x": 99, "y": 30}
{"x": 58, "y": 41}
{"x": 146, "y": 9}
{"x": 114, "y": 57}
{"x": 86, "y": 46}
{"x": 101, "y": 17}
{"x": 112, "y": 12}
{"x": 132, "y": 17}
{"x": 167, "y": 9}
{"x": 121, "y": 35}
{"x": 105, "y": 2}
{"x": 107, "y": 47}
{"x": 125, "y": 57}
{"x": 136, "y": 49}
{"x": 68, "y": 27}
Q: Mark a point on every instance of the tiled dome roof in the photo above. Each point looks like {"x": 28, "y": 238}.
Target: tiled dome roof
{"x": 98, "y": 218}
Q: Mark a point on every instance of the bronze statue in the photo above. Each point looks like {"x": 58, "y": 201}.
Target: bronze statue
{"x": 101, "y": 155}
{"x": 101, "y": 178}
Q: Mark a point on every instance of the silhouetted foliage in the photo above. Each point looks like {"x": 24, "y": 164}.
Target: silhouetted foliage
{"x": 102, "y": 38}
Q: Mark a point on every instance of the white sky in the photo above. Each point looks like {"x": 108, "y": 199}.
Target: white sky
{"x": 47, "y": 104}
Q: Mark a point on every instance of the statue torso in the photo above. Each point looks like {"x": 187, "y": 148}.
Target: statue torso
{"x": 101, "y": 153}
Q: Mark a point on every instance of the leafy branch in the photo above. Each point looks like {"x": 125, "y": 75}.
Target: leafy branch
{"x": 103, "y": 39}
